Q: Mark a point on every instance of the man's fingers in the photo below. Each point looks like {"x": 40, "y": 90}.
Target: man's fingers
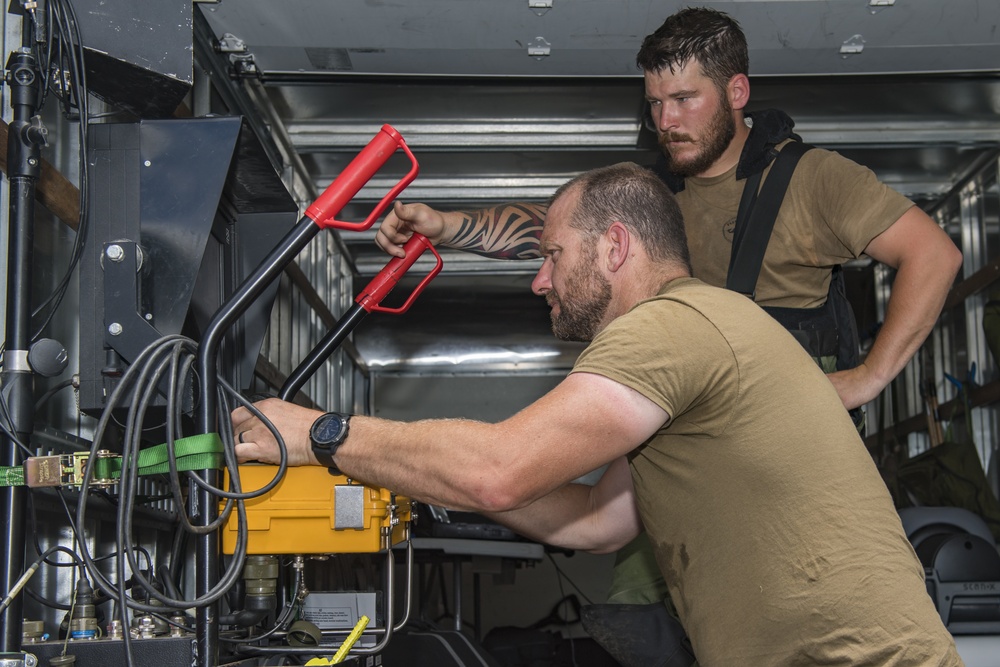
{"x": 239, "y": 415}
{"x": 251, "y": 451}
{"x": 389, "y": 236}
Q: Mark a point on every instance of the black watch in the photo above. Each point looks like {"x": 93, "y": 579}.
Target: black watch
{"x": 328, "y": 433}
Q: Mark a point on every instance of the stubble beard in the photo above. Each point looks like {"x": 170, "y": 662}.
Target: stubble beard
{"x": 580, "y": 318}
{"x": 719, "y": 134}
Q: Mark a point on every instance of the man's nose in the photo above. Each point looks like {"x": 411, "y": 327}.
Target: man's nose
{"x": 542, "y": 283}
{"x": 664, "y": 118}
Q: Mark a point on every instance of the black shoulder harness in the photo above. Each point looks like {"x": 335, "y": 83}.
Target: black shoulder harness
{"x": 826, "y": 331}
{"x": 757, "y": 214}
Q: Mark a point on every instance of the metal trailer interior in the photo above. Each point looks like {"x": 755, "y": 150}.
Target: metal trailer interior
{"x": 499, "y": 101}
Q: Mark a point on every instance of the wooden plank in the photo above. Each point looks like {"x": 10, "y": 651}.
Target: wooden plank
{"x": 978, "y": 397}
{"x": 978, "y": 281}
{"x": 270, "y": 374}
{"x": 312, "y": 297}
{"x": 53, "y": 190}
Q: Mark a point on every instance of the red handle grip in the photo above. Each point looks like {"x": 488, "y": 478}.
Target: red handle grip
{"x": 394, "y": 270}
{"x": 350, "y": 181}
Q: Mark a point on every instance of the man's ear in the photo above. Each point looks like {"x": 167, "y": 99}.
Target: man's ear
{"x": 619, "y": 240}
{"x": 738, "y": 90}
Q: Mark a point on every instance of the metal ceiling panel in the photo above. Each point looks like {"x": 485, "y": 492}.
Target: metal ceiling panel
{"x": 599, "y": 38}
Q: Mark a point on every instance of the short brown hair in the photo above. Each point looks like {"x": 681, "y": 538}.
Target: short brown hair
{"x": 637, "y": 198}
{"x": 709, "y": 36}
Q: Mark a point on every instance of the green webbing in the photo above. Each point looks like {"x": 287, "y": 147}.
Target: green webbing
{"x": 11, "y": 476}
{"x": 197, "y": 452}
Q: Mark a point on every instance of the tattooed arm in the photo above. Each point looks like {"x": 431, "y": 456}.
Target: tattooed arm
{"x": 507, "y": 231}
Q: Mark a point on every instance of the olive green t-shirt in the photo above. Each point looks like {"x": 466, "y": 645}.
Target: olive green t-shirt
{"x": 774, "y": 531}
{"x": 832, "y": 209}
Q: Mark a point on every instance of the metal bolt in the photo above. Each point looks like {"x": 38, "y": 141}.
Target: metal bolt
{"x": 115, "y": 253}
{"x": 115, "y": 329}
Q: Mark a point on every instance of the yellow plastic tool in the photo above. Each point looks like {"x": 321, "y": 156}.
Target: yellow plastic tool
{"x": 342, "y": 652}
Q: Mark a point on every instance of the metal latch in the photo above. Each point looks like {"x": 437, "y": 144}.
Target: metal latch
{"x": 348, "y": 507}
{"x": 852, "y": 46}
{"x": 540, "y": 6}
{"x": 538, "y": 48}
{"x": 875, "y": 6}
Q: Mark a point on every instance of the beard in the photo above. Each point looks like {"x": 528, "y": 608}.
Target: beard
{"x": 718, "y": 135}
{"x": 580, "y": 317}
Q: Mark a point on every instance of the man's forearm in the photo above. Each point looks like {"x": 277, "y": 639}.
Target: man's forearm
{"x": 914, "y": 305}
{"x": 507, "y": 231}
{"x": 926, "y": 262}
{"x": 600, "y": 518}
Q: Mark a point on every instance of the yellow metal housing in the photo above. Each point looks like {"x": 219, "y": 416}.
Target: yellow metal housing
{"x": 311, "y": 511}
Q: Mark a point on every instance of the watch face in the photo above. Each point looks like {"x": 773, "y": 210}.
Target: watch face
{"x": 328, "y": 429}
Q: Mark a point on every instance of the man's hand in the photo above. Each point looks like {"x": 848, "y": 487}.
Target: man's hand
{"x": 856, "y": 386}
{"x": 405, "y": 219}
{"x": 255, "y": 442}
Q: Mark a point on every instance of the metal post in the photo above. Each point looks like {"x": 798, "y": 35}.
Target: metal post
{"x": 25, "y": 138}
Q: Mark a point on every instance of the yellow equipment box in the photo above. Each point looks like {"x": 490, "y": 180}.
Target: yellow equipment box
{"x": 311, "y": 511}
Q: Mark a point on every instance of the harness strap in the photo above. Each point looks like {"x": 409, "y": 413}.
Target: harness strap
{"x": 755, "y": 219}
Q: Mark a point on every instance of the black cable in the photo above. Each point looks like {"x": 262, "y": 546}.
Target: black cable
{"x": 279, "y": 474}
{"x": 177, "y": 547}
{"x": 170, "y": 621}
{"x": 52, "y": 604}
{"x": 33, "y": 518}
{"x": 167, "y": 579}
{"x": 119, "y": 391}
{"x": 145, "y": 373}
{"x": 169, "y": 361}
{"x": 562, "y": 600}
{"x": 125, "y": 513}
{"x": 7, "y": 425}
{"x": 560, "y": 573}
{"x": 52, "y": 391}
{"x": 29, "y": 571}
{"x": 283, "y": 619}
{"x": 64, "y": 42}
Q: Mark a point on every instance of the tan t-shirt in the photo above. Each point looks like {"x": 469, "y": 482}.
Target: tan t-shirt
{"x": 832, "y": 209}
{"x": 774, "y": 531}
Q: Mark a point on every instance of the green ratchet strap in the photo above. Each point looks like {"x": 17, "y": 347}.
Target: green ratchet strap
{"x": 11, "y": 476}
{"x": 198, "y": 452}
